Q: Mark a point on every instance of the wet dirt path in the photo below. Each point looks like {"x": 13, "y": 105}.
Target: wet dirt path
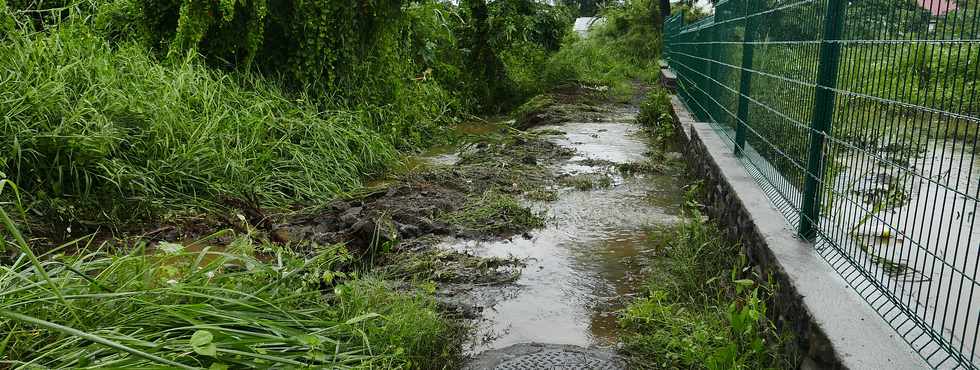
{"x": 587, "y": 262}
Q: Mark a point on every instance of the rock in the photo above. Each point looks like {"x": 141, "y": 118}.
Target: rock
{"x": 281, "y": 236}
{"x": 339, "y": 206}
{"x": 673, "y": 156}
{"x": 351, "y": 216}
{"x": 407, "y": 230}
{"x": 364, "y": 229}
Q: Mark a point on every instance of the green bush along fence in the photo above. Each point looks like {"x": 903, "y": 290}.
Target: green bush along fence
{"x": 859, "y": 119}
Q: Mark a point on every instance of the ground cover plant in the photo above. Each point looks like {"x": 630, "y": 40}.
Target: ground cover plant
{"x": 622, "y": 48}
{"x": 174, "y": 178}
{"x": 213, "y": 308}
{"x": 703, "y": 307}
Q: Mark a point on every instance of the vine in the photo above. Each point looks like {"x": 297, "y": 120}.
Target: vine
{"x": 6, "y": 19}
{"x": 313, "y": 43}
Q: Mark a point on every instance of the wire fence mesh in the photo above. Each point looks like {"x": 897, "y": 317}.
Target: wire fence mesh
{"x": 860, "y": 120}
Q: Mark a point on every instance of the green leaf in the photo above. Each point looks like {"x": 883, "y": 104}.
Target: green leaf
{"x": 202, "y": 343}
{"x": 745, "y": 282}
{"x": 208, "y": 350}
{"x": 201, "y": 338}
{"x": 170, "y": 248}
{"x": 218, "y": 366}
{"x": 363, "y": 317}
{"x": 92, "y": 337}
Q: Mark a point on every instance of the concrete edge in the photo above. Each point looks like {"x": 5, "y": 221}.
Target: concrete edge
{"x": 834, "y": 327}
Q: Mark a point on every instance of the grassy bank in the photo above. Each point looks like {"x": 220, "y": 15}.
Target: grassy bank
{"x": 618, "y": 51}
{"x": 100, "y": 134}
{"x": 704, "y": 307}
{"x": 127, "y": 112}
{"x": 155, "y": 147}
{"x": 218, "y": 307}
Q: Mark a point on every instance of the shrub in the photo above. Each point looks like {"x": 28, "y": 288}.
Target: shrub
{"x": 119, "y": 136}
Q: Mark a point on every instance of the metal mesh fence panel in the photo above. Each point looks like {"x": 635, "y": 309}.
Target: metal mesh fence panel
{"x": 860, "y": 120}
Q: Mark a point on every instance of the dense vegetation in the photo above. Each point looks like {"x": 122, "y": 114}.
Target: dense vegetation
{"x": 124, "y": 115}
{"x": 125, "y": 110}
{"x": 701, "y": 310}
{"x": 704, "y": 306}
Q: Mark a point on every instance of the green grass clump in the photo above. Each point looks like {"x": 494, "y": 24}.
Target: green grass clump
{"x": 191, "y": 306}
{"x": 586, "y": 182}
{"x": 495, "y": 213}
{"x": 101, "y": 133}
{"x": 700, "y": 312}
{"x": 655, "y": 112}
{"x": 535, "y": 105}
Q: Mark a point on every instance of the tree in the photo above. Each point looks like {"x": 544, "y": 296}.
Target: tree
{"x": 586, "y": 8}
{"x": 489, "y": 74}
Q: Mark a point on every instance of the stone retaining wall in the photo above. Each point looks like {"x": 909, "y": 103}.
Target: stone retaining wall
{"x": 834, "y": 328}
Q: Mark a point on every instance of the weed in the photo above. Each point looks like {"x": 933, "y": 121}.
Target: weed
{"x": 170, "y": 307}
{"x": 644, "y": 167}
{"x": 655, "y": 114}
{"x": 587, "y": 182}
{"x": 700, "y": 312}
{"x": 454, "y": 267}
{"x": 545, "y": 195}
{"x": 115, "y": 136}
{"x": 495, "y": 213}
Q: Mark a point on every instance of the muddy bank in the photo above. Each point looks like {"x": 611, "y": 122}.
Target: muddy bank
{"x": 589, "y": 260}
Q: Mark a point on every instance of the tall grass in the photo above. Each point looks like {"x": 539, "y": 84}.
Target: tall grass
{"x": 621, "y": 50}
{"x": 705, "y": 308}
{"x": 177, "y": 308}
{"x": 117, "y": 134}
{"x": 701, "y": 311}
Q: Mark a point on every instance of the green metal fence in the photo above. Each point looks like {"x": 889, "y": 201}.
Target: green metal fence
{"x": 860, "y": 120}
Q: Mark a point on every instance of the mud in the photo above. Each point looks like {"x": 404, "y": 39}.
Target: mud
{"x": 616, "y": 183}
{"x": 572, "y": 102}
{"x": 535, "y": 234}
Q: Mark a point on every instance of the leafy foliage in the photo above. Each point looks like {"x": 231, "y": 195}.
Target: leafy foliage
{"x": 586, "y": 8}
{"x": 623, "y": 49}
{"x": 655, "y": 113}
{"x": 323, "y": 93}
{"x": 117, "y": 135}
{"x": 701, "y": 311}
{"x": 175, "y": 307}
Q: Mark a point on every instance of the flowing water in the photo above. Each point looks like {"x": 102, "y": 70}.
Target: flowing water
{"x": 588, "y": 261}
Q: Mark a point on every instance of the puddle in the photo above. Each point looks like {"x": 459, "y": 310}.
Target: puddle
{"x": 583, "y": 266}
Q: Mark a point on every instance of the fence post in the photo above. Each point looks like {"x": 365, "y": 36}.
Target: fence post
{"x": 823, "y": 115}
{"x": 713, "y": 80}
{"x": 745, "y": 78}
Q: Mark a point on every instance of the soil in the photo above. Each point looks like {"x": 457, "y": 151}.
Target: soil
{"x": 413, "y": 208}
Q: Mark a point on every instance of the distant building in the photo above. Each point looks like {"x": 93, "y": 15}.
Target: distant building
{"x": 584, "y": 24}
{"x": 937, "y": 8}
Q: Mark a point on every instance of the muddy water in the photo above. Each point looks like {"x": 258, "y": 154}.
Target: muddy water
{"x": 587, "y": 262}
